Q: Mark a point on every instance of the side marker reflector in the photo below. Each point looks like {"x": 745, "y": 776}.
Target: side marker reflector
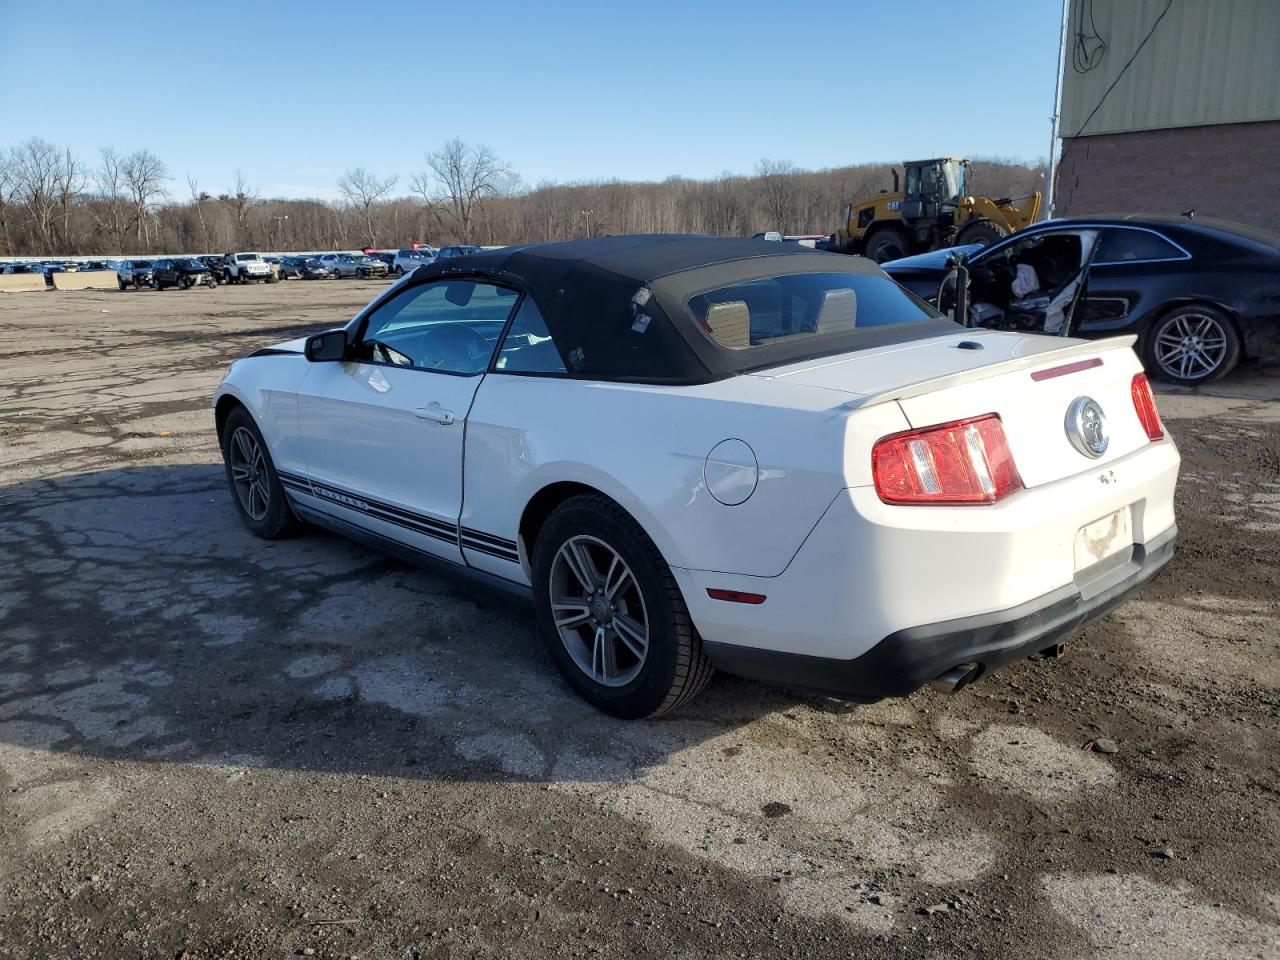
{"x": 734, "y": 596}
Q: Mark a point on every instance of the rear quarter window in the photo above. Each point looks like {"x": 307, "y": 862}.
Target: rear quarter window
{"x": 797, "y": 307}
{"x": 1127, "y": 246}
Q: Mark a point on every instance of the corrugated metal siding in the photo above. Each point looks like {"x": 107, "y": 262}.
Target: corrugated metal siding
{"x": 1209, "y": 61}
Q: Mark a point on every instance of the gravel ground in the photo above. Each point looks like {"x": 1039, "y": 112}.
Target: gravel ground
{"x": 212, "y": 746}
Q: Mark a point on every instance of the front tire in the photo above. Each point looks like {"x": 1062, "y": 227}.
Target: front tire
{"x": 611, "y": 613}
{"x": 985, "y": 232}
{"x": 885, "y": 244}
{"x": 1192, "y": 345}
{"x": 251, "y": 476}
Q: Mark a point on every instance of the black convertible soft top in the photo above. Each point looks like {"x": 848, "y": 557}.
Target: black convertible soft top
{"x": 617, "y": 306}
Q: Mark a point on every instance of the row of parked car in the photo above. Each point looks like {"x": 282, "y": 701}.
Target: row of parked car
{"x": 210, "y": 270}
{"x": 48, "y": 267}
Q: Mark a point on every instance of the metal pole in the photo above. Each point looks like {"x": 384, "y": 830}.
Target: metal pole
{"x": 1057, "y": 111}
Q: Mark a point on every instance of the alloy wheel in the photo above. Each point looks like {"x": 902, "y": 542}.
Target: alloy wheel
{"x": 249, "y": 473}
{"x": 599, "y": 611}
{"x": 1191, "y": 346}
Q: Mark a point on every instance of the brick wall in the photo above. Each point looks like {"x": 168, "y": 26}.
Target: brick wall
{"x": 1229, "y": 170}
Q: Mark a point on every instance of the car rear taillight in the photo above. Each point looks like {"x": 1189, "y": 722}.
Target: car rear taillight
{"x": 1144, "y": 402}
{"x": 961, "y": 463}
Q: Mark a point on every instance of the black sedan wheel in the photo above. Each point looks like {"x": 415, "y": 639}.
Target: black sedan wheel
{"x": 612, "y": 614}
{"x": 1191, "y": 345}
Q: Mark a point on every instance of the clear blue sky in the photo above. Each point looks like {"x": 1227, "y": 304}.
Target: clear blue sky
{"x": 561, "y": 91}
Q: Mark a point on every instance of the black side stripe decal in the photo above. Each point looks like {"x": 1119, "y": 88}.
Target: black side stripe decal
{"x": 476, "y": 540}
{"x": 509, "y": 555}
{"x": 487, "y": 543}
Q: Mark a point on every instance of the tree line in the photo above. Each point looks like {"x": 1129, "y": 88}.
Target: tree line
{"x": 54, "y": 203}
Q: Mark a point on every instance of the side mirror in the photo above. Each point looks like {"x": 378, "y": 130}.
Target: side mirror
{"x": 327, "y": 347}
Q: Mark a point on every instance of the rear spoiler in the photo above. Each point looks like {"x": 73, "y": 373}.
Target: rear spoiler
{"x": 1053, "y": 348}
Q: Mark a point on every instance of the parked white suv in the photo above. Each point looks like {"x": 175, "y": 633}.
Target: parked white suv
{"x": 409, "y": 260}
{"x": 246, "y": 268}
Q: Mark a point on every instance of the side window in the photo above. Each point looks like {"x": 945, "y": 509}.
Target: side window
{"x": 528, "y": 347}
{"x": 1121, "y": 246}
{"x": 450, "y": 326}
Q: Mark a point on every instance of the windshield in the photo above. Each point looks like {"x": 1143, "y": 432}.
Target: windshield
{"x": 247, "y": 256}
{"x": 797, "y": 306}
{"x": 190, "y": 264}
{"x": 141, "y": 264}
{"x": 944, "y": 180}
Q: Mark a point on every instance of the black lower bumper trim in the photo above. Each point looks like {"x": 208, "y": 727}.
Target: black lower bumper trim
{"x": 908, "y": 659}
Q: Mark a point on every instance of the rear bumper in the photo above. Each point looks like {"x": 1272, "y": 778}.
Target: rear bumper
{"x": 907, "y": 659}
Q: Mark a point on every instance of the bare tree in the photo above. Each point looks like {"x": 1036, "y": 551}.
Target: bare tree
{"x": 37, "y": 172}
{"x": 244, "y": 198}
{"x": 114, "y": 205}
{"x": 8, "y": 188}
{"x": 145, "y": 175}
{"x": 69, "y": 183}
{"x": 777, "y": 191}
{"x": 465, "y": 176}
{"x": 361, "y": 188}
{"x": 197, "y": 199}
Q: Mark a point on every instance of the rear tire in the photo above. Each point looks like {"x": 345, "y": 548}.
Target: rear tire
{"x": 673, "y": 668}
{"x": 251, "y": 476}
{"x": 1191, "y": 345}
{"x": 985, "y": 232}
{"x": 886, "y": 243}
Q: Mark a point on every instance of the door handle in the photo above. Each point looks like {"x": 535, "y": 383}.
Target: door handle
{"x": 434, "y": 412}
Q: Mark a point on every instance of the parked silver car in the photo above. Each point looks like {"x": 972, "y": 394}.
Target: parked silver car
{"x": 135, "y": 273}
{"x": 353, "y": 265}
{"x": 409, "y": 259}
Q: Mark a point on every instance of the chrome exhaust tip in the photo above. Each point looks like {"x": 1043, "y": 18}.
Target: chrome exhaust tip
{"x": 956, "y": 679}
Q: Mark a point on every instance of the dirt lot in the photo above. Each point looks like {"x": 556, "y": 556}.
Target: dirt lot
{"x": 212, "y": 746}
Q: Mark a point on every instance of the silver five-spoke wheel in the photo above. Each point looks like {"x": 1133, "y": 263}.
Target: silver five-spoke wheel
{"x": 1192, "y": 346}
{"x": 599, "y": 611}
{"x": 249, "y": 473}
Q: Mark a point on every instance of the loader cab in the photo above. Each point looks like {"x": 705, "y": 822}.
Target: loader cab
{"x": 933, "y": 188}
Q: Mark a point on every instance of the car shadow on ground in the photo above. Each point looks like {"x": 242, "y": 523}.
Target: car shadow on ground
{"x": 139, "y": 620}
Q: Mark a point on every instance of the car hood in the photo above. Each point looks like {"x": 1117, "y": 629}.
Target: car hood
{"x": 289, "y": 346}
{"x": 933, "y": 260}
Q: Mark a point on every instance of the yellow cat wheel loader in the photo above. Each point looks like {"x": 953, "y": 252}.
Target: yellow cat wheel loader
{"x": 934, "y": 209}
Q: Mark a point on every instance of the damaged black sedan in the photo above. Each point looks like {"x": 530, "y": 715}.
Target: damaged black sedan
{"x": 1201, "y": 294}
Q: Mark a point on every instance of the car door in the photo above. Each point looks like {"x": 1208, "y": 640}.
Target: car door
{"x": 1129, "y": 262}
{"x": 382, "y": 431}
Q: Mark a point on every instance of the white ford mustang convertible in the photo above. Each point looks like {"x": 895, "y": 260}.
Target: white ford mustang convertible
{"x": 697, "y": 453}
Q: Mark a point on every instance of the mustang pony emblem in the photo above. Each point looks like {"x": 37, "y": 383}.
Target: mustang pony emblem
{"x": 1086, "y": 427}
